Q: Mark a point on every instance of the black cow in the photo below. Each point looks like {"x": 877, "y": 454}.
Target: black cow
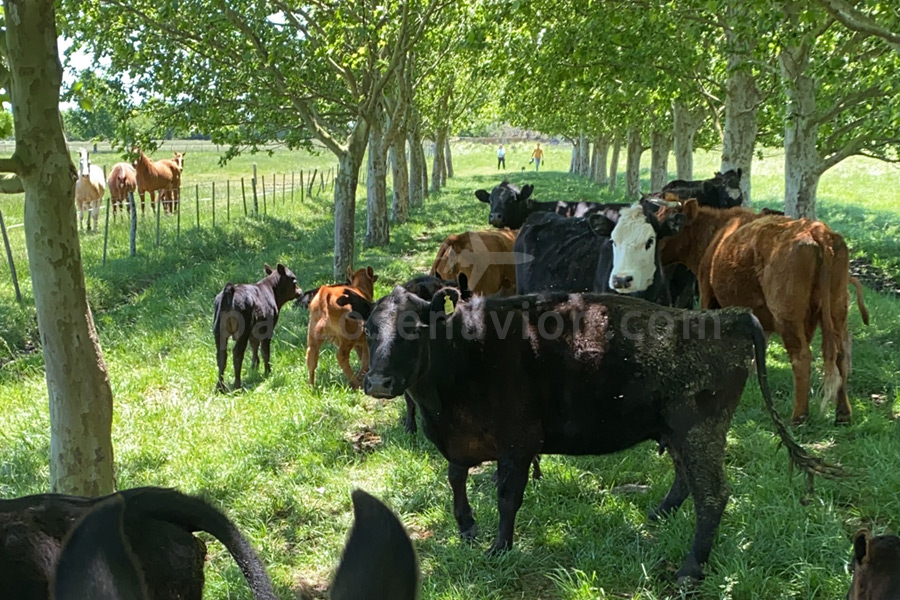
{"x": 510, "y": 206}
{"x": 578, "y": 254}
{"x": 722, "y": 191}
{"x": 138, "y": 545}
{"x": 248, "y": 312}
{"x": 507, "y": 378}
{"x": 875, "y": 567}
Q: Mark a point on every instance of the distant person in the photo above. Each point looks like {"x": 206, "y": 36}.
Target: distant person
{"x": 537, "y": 155}
{"x": 501, "y": 157}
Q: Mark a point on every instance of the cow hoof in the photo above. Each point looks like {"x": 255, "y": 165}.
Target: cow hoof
{"x": 221, "y": 388}
{"x": 354, "y": 385}
{"x": 842, "y": 420}
{"x": 469, "y": 534}
{"x": 689, "y": 575}
{"x": 799, "y": 420}
{"x": 498, "y": 548}
{"x": 411, "y": 428}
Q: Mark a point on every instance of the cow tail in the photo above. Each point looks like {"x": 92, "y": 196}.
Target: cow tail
{"x": 832, "y": 339}
{"x": 306, "y": 297}
{"x": 860, "y": 301}
{"x": 810, "y": 464}
{"x": 195, "y": 514}
{"x": 223, "y": 309}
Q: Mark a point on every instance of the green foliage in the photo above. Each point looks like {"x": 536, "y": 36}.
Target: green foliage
{"x": 6, "y": 124}
{"x": 281, "y": 458}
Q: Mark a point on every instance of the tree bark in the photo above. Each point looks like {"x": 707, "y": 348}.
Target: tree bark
{"x": 416, "y": 166}
{"x": 345, "y": 183}
{"x": 584, "y": 164}
{"x": 802, "y": 164}
{"x": 685, "y": 127}
{"x": 575, "y": 160}
{"x": 614, "y": 163}
{"x": 80, "y": 397}
{"x": 448, "y": 157}
{"x": 741, "y": 100}
{"x": 633, "y": 164}
{"x": 378, "y": 231}
{"x": 439, "y": 167}
{"x": 400, "y": 205}
{"x": 660, "y": 144}
{"x": 424, "y": 162}
{"x": 599, "y": 159}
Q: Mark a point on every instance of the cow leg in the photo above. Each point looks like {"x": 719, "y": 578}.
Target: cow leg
{"x": 221, "y": 358}
{"x": 254, "y": 346}
{"x": 362, "y": 351}
{"x": 797, "y": 346}
{"x": 312, "y": 358}
{"x": 703, "y": 454}
{"x": 266, "y": 348}
{"x": 677, "y": 494}
{"x": 462, "y": 510}
{"x": 536, "y": 465}
{"x": 844, "y": 360}
{"x": 343, "y": 358}
{"x": 512, "y": 476}
{"x": 237, "y": 357}
{"x": 410, "y": 423}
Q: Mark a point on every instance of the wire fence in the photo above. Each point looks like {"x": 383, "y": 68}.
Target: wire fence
{"x": 207, "y": 204}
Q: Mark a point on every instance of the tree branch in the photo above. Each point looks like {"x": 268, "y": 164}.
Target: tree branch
{"x": 849, "y": 101}
{"x": 10, "y": 165}
{"x": 856, "y": 20}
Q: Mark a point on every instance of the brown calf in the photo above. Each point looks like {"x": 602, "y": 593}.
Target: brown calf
{"x": 331, "y": 321}
{"x": 121, "y": 182}
{"x": 154, "y": 176}
{"x": 876, "y": 567}
{"x": 793, "y": 274}
{"x": 485, "y": 257}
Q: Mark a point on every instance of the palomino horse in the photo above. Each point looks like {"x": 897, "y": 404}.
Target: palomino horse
{"x": 89, "y": 189}
{"x": 154, "y": 176}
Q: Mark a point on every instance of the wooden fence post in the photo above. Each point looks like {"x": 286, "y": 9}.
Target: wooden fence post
{"x": 105, "y": 230}
{"x": 244, "y": 196}
{"x": 159, "y": 209}
{"x": 9, "y": 258}
{"x": 302, "y": 187}
{"x": 255, "y": 197}
{"x": 178, "y": 218}
{"x": 197, "y": 202}
{"x": 283, "y": 187}
{"x": 214, "y": 204}
{"x": 133, "y": 241}
{"x": 228, "y": 200}
{"x": 312, "y": 181}
{"x": 264, "y": 193}
{"x": 292, "y": 187}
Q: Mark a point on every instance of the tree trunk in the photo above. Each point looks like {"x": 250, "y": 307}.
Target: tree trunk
{"x": 685, "y": 127}
{"x": 741, "y": 100}
{"x": 416, "y": 166}
{"x": 802, "y": 164}
{"x": 378, "y": 231}
{"x": 345, "y": 183}
{"x": 400, "y": 206}
{"x": 660, "y": 144}
{"x": 598, "y": 160}
{"x": 81, "y": 454}
{"x": 439, "y": 167}
{"x": 614, "y": 163}
{"x": 448, "y": 157}
{"x": 584, "y": 157}
{"x": 633, "y": 164}
{"x": 424, "y": 162}
{"x": 576, "y": 160}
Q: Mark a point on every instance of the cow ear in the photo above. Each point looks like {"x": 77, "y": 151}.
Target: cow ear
{"x": 463, "y": 282}
{"x": 444, "y": 303}
{"x": 600, "y": 224}
{"x": 349, "y": 272}
{"x": 281, "y": 270}
{"x": 371, "y": 273}
{"x": 861, "y": 546}
{"x": 526, "y": 192}
{"x": 438, "y": 275}
{"x": 483, "y": 195}
{"x": 690, "y": 208}
{"x": 267, "y": 269}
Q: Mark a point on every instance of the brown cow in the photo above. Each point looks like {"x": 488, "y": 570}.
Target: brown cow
{"x": 153, "y": 176}
{"x": 793, "y": 274}
{"x": 121, "y": 182}
{"x": 876, "y": 567}
{"x": 331, "y": 321}
{"x": 485, "y": 257}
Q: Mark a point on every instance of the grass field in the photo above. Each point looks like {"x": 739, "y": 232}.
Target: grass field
{"x": 282, "y": 458}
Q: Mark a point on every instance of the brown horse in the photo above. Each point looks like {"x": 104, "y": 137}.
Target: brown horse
{"x": 154, "y": 176}
{"x": 169, "y": 198}
{"x": 121, "y": 182}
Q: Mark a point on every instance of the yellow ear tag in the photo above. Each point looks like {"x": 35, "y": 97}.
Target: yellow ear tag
{"x": 448, "y": 305}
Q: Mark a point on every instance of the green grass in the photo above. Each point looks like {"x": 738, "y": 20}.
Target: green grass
{"x": 279, "y": 457}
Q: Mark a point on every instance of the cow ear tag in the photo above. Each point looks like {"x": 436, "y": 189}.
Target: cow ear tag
{"x": 448, "y": 305}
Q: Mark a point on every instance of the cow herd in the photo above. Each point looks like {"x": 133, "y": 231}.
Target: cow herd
{"x": 568, "y": 329}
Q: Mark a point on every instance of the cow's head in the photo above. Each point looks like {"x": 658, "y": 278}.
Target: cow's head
{"x": 729, "y": 183}
{"x": 84, "y": 163}
{"x": 284, "y": 283}
{"x": 509, "y": 204}
{"x": 876, "y": 567}
{"x": 397, "y": 332}
{"x": 363, "y": 280}
{"x": 634, "y": 245}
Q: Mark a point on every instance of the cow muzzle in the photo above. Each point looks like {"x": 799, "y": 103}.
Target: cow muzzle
{"x": 622, "y": 284}
{"x": 379, "y": 386}
{"x": 496, "y": 220}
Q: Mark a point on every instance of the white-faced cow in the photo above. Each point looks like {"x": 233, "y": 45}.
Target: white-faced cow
{"x": 507, "y": 378}
{"x": 510, "y": 206}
